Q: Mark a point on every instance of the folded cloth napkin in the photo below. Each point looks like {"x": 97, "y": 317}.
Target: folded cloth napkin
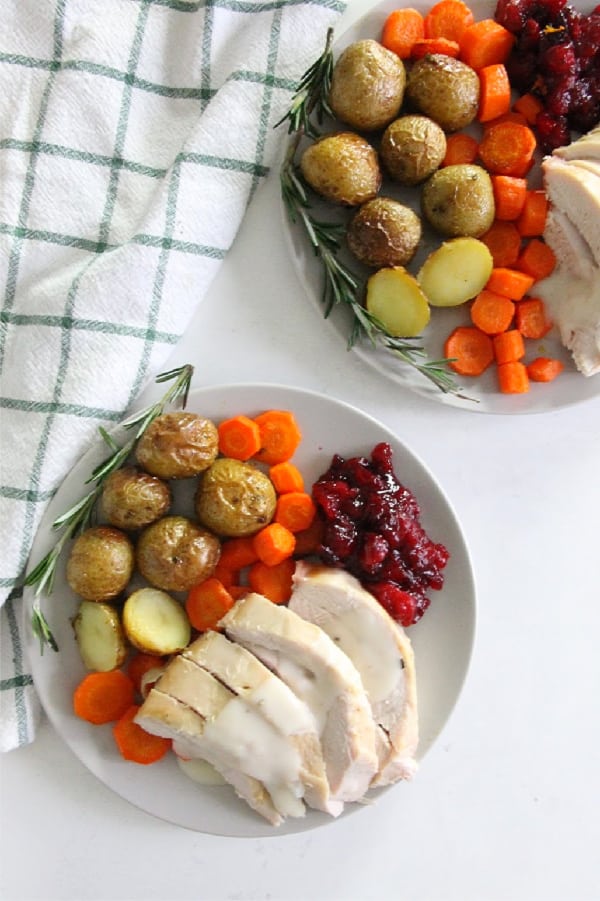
{"x": 133, "y": 134}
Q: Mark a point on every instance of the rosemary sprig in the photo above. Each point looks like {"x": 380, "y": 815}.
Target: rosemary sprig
{"x": 78, "y": 518}
{"x": 340, "y": 284}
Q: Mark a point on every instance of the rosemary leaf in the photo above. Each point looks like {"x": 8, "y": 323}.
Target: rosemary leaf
{"x": 78, "y": 517}
{"x": 341, "y": 286}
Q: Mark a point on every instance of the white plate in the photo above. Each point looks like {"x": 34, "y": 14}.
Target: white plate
{"x": 570, "y": 388}
{"x": 442, "y": 640}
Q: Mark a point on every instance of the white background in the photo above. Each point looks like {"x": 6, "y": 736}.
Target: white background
{"x": 507, "y": 804}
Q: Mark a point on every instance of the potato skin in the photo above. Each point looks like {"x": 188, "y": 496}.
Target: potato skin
{"x": 174, "y": 553}
{"x": 367, "y": 86}
{"x": 132, "y": 499}
{"x": 235, "y": 499}
{"x": 178, "y": 445}
{"x": 445, "y": 89}
{"x": 412, "y": 148}
{"x": 342, "y": 167}
{"x": 384, "y": 232}
{"x": 100, "y": 563}
{"x": 458, "y": 201}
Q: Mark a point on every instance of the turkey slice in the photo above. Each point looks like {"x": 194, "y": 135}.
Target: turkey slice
{"x": 585, "y": 147}
{"x": 320, "y": 674}
{"x": 381, "y": 652}
{"x": 245, "y": 675}
{"x": 165, "y": 716}
{"x": 235, "y": 736}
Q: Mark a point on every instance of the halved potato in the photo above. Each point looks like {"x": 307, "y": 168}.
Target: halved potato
{"x": 396, "y": 299}
{"x": 456, "y": 272}
{"x": 156, "y": 623}
{"x": 100, "y": 637}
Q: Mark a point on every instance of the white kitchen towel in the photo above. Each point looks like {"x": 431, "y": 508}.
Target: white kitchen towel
{"x": 133, "y": 134}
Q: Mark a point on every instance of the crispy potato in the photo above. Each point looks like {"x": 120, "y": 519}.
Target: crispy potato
{"x": 100, "y": 563}
{"x": 384, "y": 233}
{"x": 455, "y": 272}
{"x": 100, "y": 637}
{"x": 156, "y": 623}
{"x": 178, "y": 445}
{"x": 132, "y": 499}
{"x": 342, "y": 167}
{"x": 459, "y": 201}
{"x": 396, "y": 299}
{"x": 234, "y": 498}
{"x": 174, "y": 553}
{"x": 367, "y": 86}
{"x": 412, "y": 148}
{"x": 445, "y": 89}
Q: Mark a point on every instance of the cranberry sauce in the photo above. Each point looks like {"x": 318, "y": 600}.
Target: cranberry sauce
{"x": 556, "y": 56}
{"x": 372, "y": 530}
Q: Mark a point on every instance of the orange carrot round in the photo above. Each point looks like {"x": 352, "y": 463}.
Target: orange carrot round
{"x": 509, "y": 196}
{"x": 401, "y": 29}
{"x": 135, "y": 744}
{"x": 448, "y": 19}
{"x": 236, "y": 553}
{"x": 503, "y": 242}
{"x": 537, "y": 259}
{"x": 279, "y": 436}
{"x": 513, "y": 378}
{"x": 532, "y": 219}
{"x": 469, "y": 350}
{"x": 103, "y": 697}
{"x": 286, "y": 477}
{"x": 544, "y": 369}
{"x": 442, "y": 46}
{"x": 507, "y": 148}
{"x": 206, "y": 603}
{"x": 531, "y": 319}
{"x": 492, "y": 313}
{"x": 274, "y": 543}
{"x": 295, "y": 510}
{"x": 509, "y": 346}
{"x": 529, "y": 106}
{"x": 460, "y": 148}
{"x": 485, "y": 43}
{"x": 511, "y": 283}
{"x": 239, "y": 437}
{"x": 274, "y": 582}
{"x": 494, "y": 92}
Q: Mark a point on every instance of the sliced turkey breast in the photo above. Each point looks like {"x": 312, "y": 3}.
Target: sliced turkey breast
{"x": 576, "y": 192}
{"x": 235, "y": 735}
{"x": 592, "y": 166}
{"x": 586, "y": 147}
{"x": 321, "y": 675}
{"x": 163, "y": 715}
{"x": 381, "y": 652}
{"x": 569, "y": 245}
{"x": 245, "y": 675}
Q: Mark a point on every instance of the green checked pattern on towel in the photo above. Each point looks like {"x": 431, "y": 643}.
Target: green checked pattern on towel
{"x": 133, "y": 134}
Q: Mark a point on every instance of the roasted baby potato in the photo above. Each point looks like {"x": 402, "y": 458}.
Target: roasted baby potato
{"x": 178, "y": 445}
{"x": 367, "y": 86}
{"x": 396, "y": 299}
{"x": 412, "y": 148}
{"x": 456, "y": 272}
{"x": 100, "y": 637}
{"x": 234, "y": 498}
{"x": 100, "y": 563}
{"x": 459, "y": 200}
{"x": 342, "y": 167}
{"x": 445, "y": 89}
{"x": 174, "y": 553}
{"x": 132, "y": 499}
{"x": 156, "y": 623}
{"x": 384, "y": 233}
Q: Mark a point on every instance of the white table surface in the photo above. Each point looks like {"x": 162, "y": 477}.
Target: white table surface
{"x": 507, "y": 804}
